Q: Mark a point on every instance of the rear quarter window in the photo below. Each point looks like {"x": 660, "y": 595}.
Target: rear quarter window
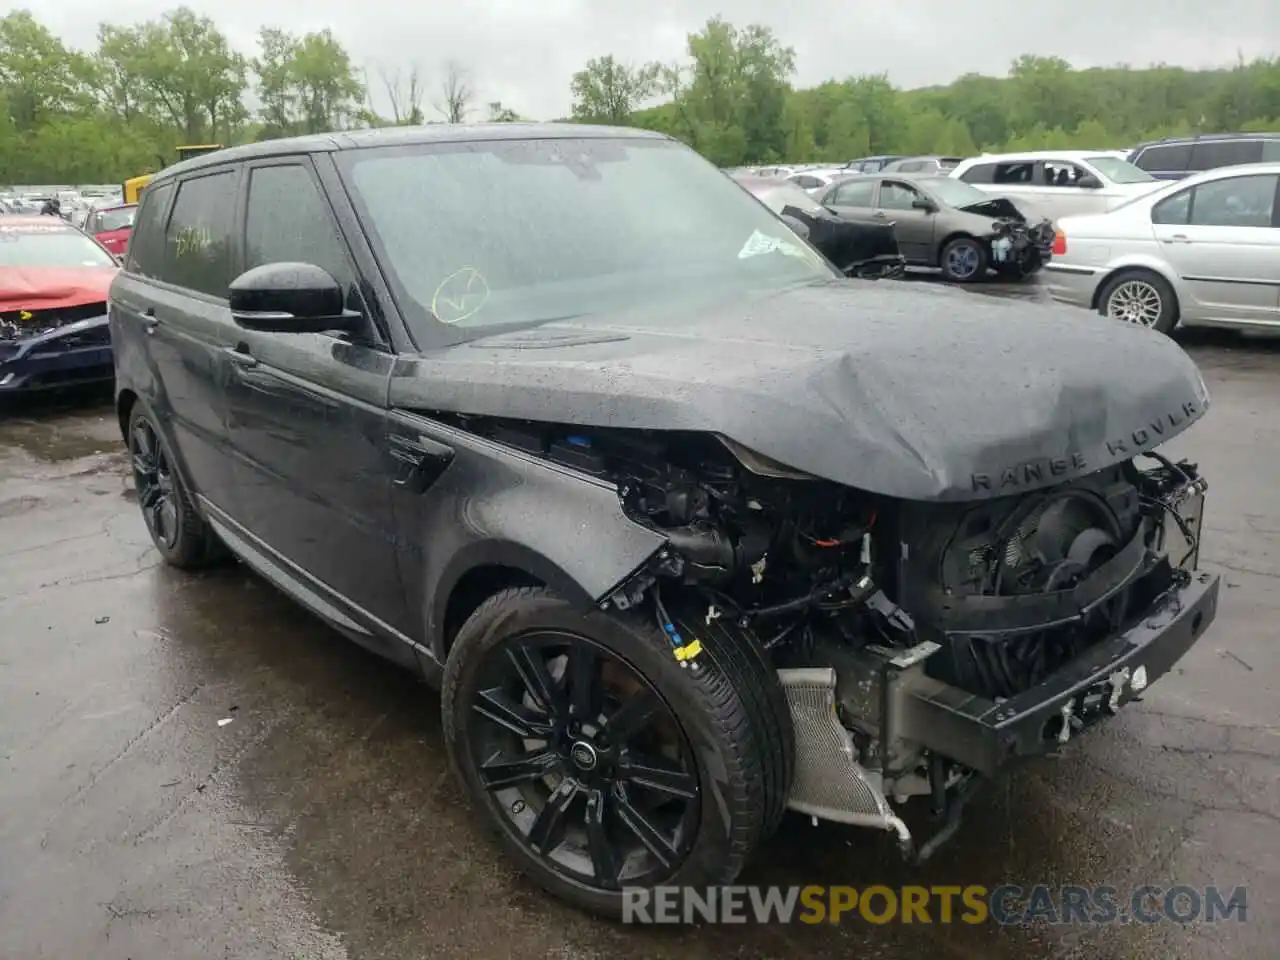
{"x": 980, "y": 173}
{"x": 1167, "y": 158}
{"x": 146, "y": 244}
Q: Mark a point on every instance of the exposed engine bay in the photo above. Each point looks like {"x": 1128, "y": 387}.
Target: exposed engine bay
{"x": 1018, "y": 246}
{"x": 23, "y": 324}
{"x": 907, "y": 634}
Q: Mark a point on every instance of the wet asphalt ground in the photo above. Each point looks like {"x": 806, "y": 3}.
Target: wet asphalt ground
{"x": 322, "y": 821}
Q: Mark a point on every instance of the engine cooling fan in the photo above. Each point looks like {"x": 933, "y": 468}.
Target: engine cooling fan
{"x": 1050, "y": 546}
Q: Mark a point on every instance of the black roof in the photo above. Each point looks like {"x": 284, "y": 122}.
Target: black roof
{"x": 404, "y": 136}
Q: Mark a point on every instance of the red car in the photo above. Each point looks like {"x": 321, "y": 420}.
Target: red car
{"x": 53, "y": 305}
{"x": 111, "y": 226}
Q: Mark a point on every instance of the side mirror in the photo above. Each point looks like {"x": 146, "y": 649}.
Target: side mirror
{"x": 290, "y": 298}
{"x": 1089, "y": 182}
{"x": 920, "y": 203}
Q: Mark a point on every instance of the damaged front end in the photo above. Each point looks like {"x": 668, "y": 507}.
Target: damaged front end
{"x": 47, "y": 349}
{"x": 922, "y": 647}
{"x": 1018, "y": 246}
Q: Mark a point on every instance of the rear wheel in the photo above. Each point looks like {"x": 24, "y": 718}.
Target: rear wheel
{"x": 963, "y": 260}
{"x": 1142, "y": 298}
{"x": 599, "y": 760}
{"x": 177, "y": 531}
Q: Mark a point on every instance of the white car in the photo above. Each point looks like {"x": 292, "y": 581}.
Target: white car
{"x": 1058, "y": 183}
{"x": 1199, "y": 251}
{"x": 814, "y": 182}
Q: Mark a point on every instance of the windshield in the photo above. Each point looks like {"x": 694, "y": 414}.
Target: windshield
{"x": 515, "y": 232}
{"x": 1119, "y": 171}
{"x": 116, "y": 218}
{"x": 37, "y": 245}
{"x": 954, "y": 193}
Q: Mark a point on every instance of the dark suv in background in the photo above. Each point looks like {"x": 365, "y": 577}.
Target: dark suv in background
{"x": 1177, "y": 157}
{"x": 565, "y": 420}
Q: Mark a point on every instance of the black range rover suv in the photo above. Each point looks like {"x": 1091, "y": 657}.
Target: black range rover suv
{"x": 688, "y": 528}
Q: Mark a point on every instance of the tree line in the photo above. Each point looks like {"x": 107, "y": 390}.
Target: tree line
{"x": 119, "y": 109}
{"x": 732, "y": 99}
{"x": 72, "y": 116}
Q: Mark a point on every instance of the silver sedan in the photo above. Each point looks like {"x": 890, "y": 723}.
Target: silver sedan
{"x": 1204, "y": 251}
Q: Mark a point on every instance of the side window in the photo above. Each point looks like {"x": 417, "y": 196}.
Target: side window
{"x": 1235, "y": 202}
{"x": 980, "y": 173}
{"x": 1059, "y": 173}
{"x": 1211, "y": 154}
{"x": 855, "y": 193}
{"x": 1270, "y": 150}
{"x": 1014, "y": 173}
{"x": 1175, "y": 210}
{"x": 1168, "y": 158}
{"x": 807, "y": 182}
{"x": 146, "y": 243}
{"x": 289, "y": 220}
{"x": 896, "y": 196}
{"x": 197, "y": 248}
{"x": 912, "y": 166}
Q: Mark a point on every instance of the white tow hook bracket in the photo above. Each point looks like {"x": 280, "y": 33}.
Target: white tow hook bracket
{"x": 1138, "y": 683}
{"x": 1117, "y": 683}
{"x": 1068, "y": 709}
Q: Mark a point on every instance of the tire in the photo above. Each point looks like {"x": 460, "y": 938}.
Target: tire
{"x": 729, "y": 762}
{"x": 963, "y": 260}
{"x": 178, "y": 532}
{"x": 1140, "y": 297}
{"x": 768, "y": 710}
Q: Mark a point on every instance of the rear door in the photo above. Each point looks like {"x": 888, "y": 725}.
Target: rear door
{"x": 1212, "y": 154}
{"x": 1223, "y": 239}
{"x": 308, "y": 413}
{"x": 173, "y": 293}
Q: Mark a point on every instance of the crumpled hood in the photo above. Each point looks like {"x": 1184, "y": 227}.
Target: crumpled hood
{"x": 925, "y": 394}
{"x": 52, "y": 288}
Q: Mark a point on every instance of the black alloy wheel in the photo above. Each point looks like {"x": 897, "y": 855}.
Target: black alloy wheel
{"x": 177, "y": 530}
{"x": 583, "y": 761}
{"x": 599, "y": 760}
{"x": 153, "y": 477}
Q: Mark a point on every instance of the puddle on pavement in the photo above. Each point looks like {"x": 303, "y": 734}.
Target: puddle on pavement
{"x": 60, "y": 435}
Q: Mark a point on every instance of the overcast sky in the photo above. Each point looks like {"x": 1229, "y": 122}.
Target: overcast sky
{"x": 524, "y": 53}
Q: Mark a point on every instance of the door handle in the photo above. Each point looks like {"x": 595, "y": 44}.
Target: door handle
{"x": 879, "y": 214}
{"x": 1180, "y": 238}
{"x": 241, "y": 357}
{"x": 149, "y": 320}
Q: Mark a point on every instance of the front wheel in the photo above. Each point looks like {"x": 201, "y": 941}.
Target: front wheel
{"x": 963, "y": 260}
{"x": 600, "y": 760}
{"x": 1140, "y": 297}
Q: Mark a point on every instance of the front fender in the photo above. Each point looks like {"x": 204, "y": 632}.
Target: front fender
{"x": 495, "y": 506}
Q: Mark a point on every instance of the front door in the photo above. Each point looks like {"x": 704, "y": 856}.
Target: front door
{"x": 912, "y": 225}
{"x": 308, "y": 415}
{"x": 1223, "y": 239}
